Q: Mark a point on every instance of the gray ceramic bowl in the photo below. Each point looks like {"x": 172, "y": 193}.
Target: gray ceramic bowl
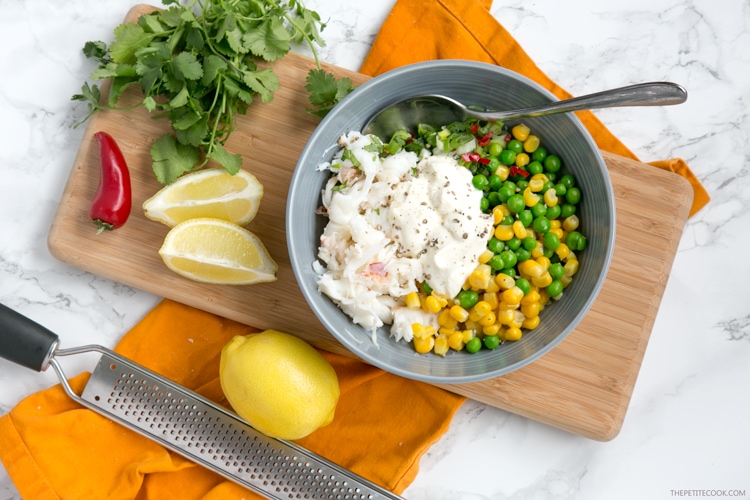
{"x": 490, "y": 87}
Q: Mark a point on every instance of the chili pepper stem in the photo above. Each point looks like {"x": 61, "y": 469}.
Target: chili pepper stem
{"x": 102, "y": 226}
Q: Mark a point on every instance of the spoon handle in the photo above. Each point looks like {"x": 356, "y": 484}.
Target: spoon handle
{"x": 641, "y": 94}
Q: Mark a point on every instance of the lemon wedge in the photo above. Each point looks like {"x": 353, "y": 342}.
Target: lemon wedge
{"x": 212, "y": 192}
{"x": 216, "y": 251}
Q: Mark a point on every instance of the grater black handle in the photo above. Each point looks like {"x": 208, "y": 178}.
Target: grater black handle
{"x": 24, "y": 341}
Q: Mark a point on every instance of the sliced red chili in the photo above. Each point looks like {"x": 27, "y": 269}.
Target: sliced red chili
{"x": 474, "y": 128}
{"x": 471, "y": 157}
{"x": 485, "y": 140}
{"x": 516, "y": 170}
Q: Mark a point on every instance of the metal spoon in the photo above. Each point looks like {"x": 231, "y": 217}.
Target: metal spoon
{"x": 438, "y": 110}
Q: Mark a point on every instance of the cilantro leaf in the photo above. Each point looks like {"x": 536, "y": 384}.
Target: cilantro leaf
{"x": 325, "y": 91}
{"x": 212, "y": 66}
{"x": 187, "y": 66}
{"x": 230, "y": 162}
{"x": 264, "y": 82}
{"x": 270, "y": 40}
{"x": 172, "y": 159}
{"x": 96, "y": 50}
{"x": 128, "y": 39}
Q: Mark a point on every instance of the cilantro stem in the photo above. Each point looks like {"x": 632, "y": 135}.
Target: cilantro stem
{"x": 310, "y": 41}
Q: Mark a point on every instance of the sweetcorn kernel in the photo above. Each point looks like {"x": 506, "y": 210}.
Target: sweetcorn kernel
{"x": 441, "y": 345}
{"x": 459, "y": 313}
{"x": 493, "y": 329}
{"x": 520, "y": 132}
{"x": 504, "y": 232}
{"x": 456, "y": 341}
{"x": 512, "y": 334}
{"x": 446, "y": 319}
{"x": 531, "y": 323}
{"x": 519, "y": 230}
{"x": 424, "y": 345}
{"x": 412, "y": 300}
{"x": 487, "y": 320}
{"x": 504, "y": 281}
{"x": 432, "y": 304}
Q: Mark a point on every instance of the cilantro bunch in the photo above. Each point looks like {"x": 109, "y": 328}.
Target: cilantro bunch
{"x": 197, "y": 66}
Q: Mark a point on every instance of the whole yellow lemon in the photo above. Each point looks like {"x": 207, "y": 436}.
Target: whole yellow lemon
{"x": 279, "y": 384}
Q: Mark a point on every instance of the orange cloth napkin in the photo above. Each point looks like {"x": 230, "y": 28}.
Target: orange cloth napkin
{"x": 53, "y": 448}
{"x": 424, "y": 30}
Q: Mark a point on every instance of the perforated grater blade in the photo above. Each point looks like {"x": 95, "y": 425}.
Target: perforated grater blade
{"x": 209, "y": 435}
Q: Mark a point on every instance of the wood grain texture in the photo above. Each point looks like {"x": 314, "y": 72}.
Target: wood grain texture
{"x": 584, "y": 385}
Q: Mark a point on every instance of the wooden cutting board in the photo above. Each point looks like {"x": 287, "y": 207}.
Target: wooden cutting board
{"x": 583, "y": 385}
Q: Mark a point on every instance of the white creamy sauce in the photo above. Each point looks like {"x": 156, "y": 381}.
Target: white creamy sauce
{"x": 394, "y": 222}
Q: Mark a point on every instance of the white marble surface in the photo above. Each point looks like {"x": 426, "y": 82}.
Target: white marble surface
{"x": 687, "y": 432}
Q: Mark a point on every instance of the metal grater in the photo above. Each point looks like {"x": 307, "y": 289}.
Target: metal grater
{"x": 185, "y": 422}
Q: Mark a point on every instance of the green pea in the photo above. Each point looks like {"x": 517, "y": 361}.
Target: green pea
{"x": 505, "y": 192}
{"x": 496, "y": 262}
{"x": 515, "y": 145}
{"x": 551, "y": 241}
{"x": 526, "y": 217}
{"x": 473, "y": 345}
{"x": 494, "y": 163}
{"x": 575, "y": 241}
{"x": 467, "y": 298}
{"x": 479, "y": 181}
{"x": 582, "y": 243}
{"x": 494, "y": 198}
{"x": 524, "y": 285}
{"x": 484, "y": 204}
{"x": 548, "y": 253}
{"x": 568, "y": 181}
{"x": 496, "y": 246}
{"x": 539, "y": 154}
{"x": 507, "y": 157}
{"x": 515, "y": 203}
{"x": 552, "y": 176}
{"x": 553, "y": 212}
{"x": 510, "y": 184}
{"x": 552, "y": 163}
{"x": 509, "y": 257}
{"x": 573, "y": 196}
{"x": 494, "y": 182}
{"x": 555, "y": 288}
{"x": 541, "y": 225}
{"x": 507, "y": 220}
{"x": 495, "y": 149}
{"x": 514, "y": 243}
{"x": 535, "y": 167}
{"x": 560, "y": 189}
{"x": 522, "y": 254}
{"x": 522, "y": 184}
{"x": 491, "y": 342}
{"x": 548, "y": 185}
{"x": 529, "y": 243}
{"x": 567, "y": 210}
{"x": 539, "y": 210}
{"x": 557, "y": 271}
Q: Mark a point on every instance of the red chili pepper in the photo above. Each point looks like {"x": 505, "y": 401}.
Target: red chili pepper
{"x": 483, "y": 141}
{"x": 484, "y": 161}
{"x": 516, "y": 170}
{"x": 110, "y": 207}
{"x": 474, "y": 128}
